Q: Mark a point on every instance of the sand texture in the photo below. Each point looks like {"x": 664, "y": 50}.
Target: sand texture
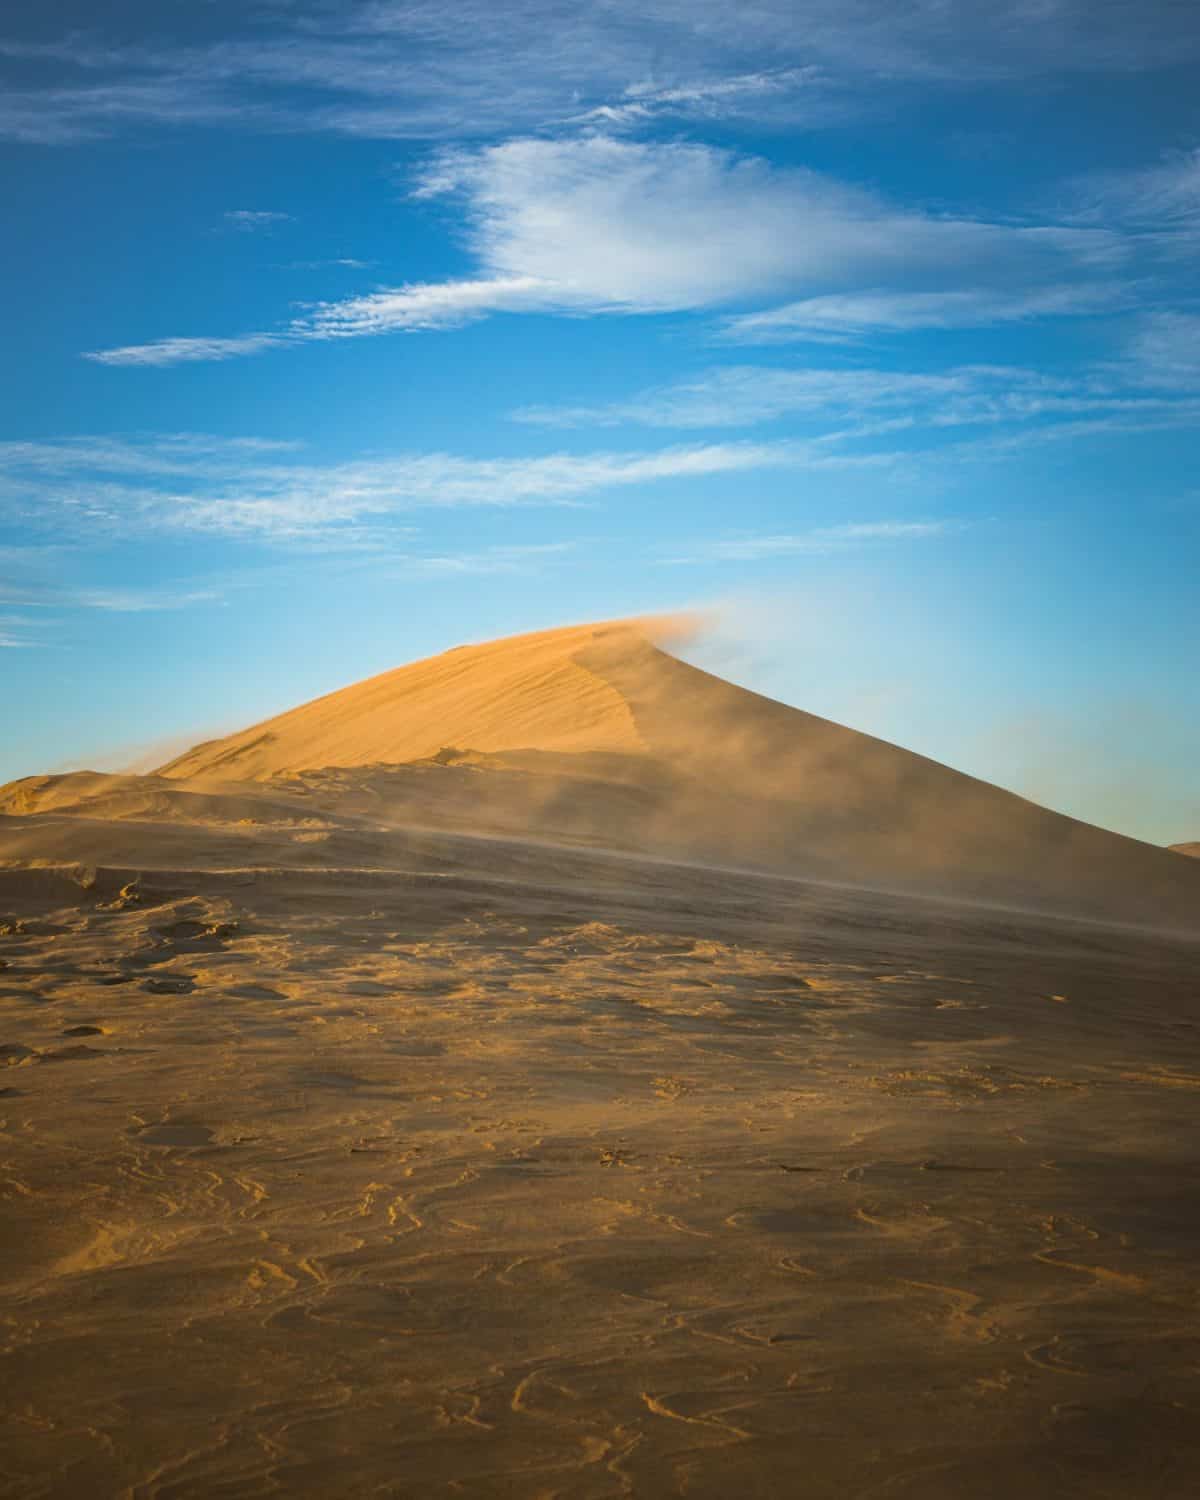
{"x": 450, "y": 1127}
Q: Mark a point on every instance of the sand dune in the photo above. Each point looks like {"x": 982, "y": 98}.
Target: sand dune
{"x": 597, "y": 730}
{"x": 1192, "y": 849}
{"x": 409, "y": 1098}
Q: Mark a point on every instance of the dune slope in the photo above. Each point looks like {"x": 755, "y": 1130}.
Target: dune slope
{"x": 598, "y": 732}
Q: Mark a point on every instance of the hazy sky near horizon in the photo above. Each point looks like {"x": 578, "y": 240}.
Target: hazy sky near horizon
{"x": 341, "y": 333}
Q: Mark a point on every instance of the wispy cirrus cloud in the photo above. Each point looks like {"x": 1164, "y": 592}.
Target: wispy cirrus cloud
{"x": 138, "y": 601}
{"x": 408, "y": 309}
{"x": 338, "y": 262}
{"x": 18, "y": 632}
{"x": 759, "y": 94}
{"x": 819, "y": 541}
{"x": 247, "y": 220}
{"x": 874, "y": 400}
{"x": 102, "y": 488}
{"x": 34, "y": 593}
{"x": 485, "y": 561}
{"x": 601, "y": 226}
{"x": 183, "y": 351}
{"x": 167, "y": 453}
{"x": 402, "y": 69}
{"x": 845, "y": 317}
{"x": 1163, "y": 195}
{"x": 32, "y": 578}
{"x": 1164, "y": 350}
{"x": 740, "y": 395}
{"x": 405, "y": 309}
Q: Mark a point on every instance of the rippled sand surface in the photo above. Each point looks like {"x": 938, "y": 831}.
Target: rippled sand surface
{"x": 525, "y": 1172}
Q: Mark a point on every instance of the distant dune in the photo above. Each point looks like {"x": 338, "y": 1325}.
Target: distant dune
{"x": 1192, "y": 849}
{"x": 596, "y": 735}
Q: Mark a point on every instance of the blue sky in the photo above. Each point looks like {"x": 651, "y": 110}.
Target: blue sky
{"x": 342, "y": 333}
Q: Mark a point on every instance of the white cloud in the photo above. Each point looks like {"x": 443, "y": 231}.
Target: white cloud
{"x": 853, "y": 315}
{"x": 599, "y": 225}
{"x": 488, "y": 560}
{"x": 1165, "y": 350}
{"x": 427, "y": 305}
{"x": 138, "y": 601}
{"x": 14, "y": 630}
{"x": 759, "y": 94}
{"x": 109, "y": 600}
{"x": 250, "y": 219}
{"x": 169, "y": 453}
{"x": 873, "y": 401}
{"x": 1163, "y": 196}
{"x": 737, "y": 395}
{"x": 66, "y": 113}
{"x": 98, "y": 488}
{"x": 342, "y": 262}
{"x": 820, "y": 541}
{"x": 409, "y": 69}
{"x": 633, "y": 226}
{"x": 177, "y": 351}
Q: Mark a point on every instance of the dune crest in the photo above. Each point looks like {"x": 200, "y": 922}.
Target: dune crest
{"x": 531, "y": 691}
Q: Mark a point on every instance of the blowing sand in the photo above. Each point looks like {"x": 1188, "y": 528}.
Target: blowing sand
{"x": 436, "y": 1122}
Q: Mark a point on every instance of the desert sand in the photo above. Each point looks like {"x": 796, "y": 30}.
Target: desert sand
{"x": 550, "y": 1071}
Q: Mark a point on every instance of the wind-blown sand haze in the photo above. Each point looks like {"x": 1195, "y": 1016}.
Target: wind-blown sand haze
{"x": 550, "y": 1070}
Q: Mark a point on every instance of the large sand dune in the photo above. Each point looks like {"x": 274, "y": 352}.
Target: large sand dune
{"x": 376, "y": 1122}
{"x": 602, "y": 732}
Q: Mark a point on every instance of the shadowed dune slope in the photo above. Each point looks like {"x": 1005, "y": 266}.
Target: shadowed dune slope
{"x": 570, "y": 720}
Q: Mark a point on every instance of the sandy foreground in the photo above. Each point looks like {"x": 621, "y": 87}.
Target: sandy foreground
{"x": 346, "y": 1157}
{"x": 522, "y": 1172}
